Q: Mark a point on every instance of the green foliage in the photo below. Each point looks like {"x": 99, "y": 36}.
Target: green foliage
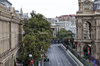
{"x": 63, "y": 35}
{"x": 86, "y": 57}
{"x": 37, "y": 38}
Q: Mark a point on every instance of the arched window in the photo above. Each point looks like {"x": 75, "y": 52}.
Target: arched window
{"x": 87, "y": 30}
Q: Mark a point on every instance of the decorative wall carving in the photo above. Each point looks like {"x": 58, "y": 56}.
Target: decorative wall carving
{"x": 89, "y": 22}
{"x": 9, "y": 34}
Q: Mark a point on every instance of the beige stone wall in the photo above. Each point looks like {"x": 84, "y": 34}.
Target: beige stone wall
{"x": 14, "y": 34}
{"x": 4, "y": 33}
{"x": 84, "y": 16}
{"x": 10, "y": 31}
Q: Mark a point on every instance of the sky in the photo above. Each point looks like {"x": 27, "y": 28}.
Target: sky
{"x": 49, "y": 8}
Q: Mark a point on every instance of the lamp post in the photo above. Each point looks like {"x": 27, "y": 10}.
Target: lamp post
{"x": 31, "y": 62}
{"x": 90, "y": 47}
{"x": 30, "y": 55}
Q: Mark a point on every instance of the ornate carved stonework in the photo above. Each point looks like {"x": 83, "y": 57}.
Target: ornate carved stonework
{"x": 90, "y": 23}
{"x": 80, "y": 25}
{"x": 10, "y": 35}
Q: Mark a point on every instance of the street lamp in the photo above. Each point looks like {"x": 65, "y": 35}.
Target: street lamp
{"x": 90, "y": 47}
{"x": 30, "y": 55}
{"x": 31, "y": 62}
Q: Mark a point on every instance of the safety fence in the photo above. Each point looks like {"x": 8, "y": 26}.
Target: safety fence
{"x": 81, "y": 59}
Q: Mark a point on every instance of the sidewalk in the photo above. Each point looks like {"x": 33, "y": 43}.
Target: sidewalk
{"x": 80, "y": 64}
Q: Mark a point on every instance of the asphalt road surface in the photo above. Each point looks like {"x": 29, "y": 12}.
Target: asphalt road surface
{"x": 58, "y": 57}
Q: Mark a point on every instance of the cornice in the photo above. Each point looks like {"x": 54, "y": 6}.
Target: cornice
{"x": 5, "y": 14}
{"x": 4, "y": 19}
{"x": 86, "y": 1}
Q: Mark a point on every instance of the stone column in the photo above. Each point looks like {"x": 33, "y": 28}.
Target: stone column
{"x": 82, "y": 52}
{"x": 0, "y": 33}
{"x": 93, "y": 50}
{"x": 97, "y": 42}
{"x": 9, "y": 35}
{"x": 79, "y": 34}
{"x": 78, "y": 50}
{"x": 97, "y": 51}
{"x": 20, "y": 32}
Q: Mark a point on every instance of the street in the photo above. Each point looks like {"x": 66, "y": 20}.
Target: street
{"x": 58, "y": 57}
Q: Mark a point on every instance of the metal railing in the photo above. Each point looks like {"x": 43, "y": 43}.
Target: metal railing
{"x": 81, "y": 59}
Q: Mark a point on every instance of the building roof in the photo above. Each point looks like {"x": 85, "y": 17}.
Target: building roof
{"x": 66, "y": 16}
{"x": 6, "y": 1}
{"x": 9, "y": 2}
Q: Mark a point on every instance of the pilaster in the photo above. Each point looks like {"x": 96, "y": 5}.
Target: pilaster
{"x": 9, "y": 35}
{"x": 82, "y": 52}
{"x": 97, "y": 55}
{"x": 79, "y": 28}
{"x": 98, "y": 29}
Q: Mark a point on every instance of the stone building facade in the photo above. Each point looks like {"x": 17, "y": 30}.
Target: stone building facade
{"x": 64, "y": 21}
{"x": 10, "y": 35}
{"x": 55, "y": 25}
{"x": 88, "y": 28}
{"x": 70, "y": 18}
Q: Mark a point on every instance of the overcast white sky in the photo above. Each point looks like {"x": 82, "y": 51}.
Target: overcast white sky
{"x": 49, "y": 8}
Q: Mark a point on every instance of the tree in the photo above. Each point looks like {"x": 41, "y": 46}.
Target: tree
{"x": 63, "y": 35}
{"x": 37, "y": 38}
